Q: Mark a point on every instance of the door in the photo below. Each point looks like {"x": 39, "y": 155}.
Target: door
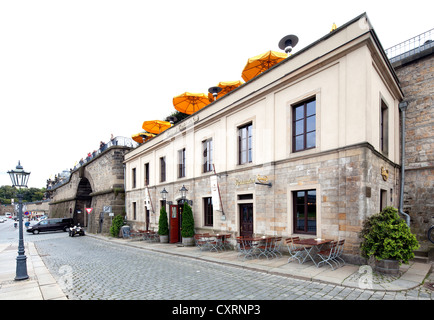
{"x": 174, "y": 224}
{"x": 246, "y": 219}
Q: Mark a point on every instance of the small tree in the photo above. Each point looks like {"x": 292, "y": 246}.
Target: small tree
{"x": 386, "y": 236}
{"x": 117, "y": 223}
{"x": 187, "y": 222}
{"x": 163, "y": 226}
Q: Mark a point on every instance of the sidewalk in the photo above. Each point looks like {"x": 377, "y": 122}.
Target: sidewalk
{"x": 411, "y": 275}
{"x": 40, "y": 286}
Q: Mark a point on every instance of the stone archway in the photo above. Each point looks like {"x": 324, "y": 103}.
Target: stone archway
{"x": 83, "y": 200}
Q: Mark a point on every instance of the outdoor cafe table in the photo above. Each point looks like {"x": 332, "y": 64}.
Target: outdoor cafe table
{"x": 219, "y": 242}
{"x": 312, "y": 246}
{"x": 258, "y": 246}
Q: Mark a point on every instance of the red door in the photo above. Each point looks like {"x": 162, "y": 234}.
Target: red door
{"x": 174, "y": 224}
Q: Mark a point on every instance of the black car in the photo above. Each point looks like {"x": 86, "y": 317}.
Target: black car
{"x": 51, "y": 225}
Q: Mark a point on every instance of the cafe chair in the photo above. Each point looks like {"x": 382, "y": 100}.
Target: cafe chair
{"x": 265, "y": 248}
{"x": 277, "y": 243}
{"x": 200, "y": 241}
{"x": 329, "y": 255}
{"x": 338, "y": 253}
{"x": 245, "y": 248}
{"x": 295, "y": 251}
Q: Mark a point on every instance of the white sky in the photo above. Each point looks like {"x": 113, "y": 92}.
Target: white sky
{"x": 74, "y": 72}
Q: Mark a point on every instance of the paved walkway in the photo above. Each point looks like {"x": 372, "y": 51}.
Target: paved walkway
{"x": 42, "y": 286}
{"x": 411, "y": 275}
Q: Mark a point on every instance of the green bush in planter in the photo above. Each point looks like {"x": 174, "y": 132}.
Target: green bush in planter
{"x": 187, "y": 222}
{"x": 117, "y": 223}
{"x": 386, "y": 236}
{"x": 163, "y": 226}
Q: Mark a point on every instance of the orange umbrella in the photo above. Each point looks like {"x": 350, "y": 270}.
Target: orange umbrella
{"x": 260, "y": 63}
{"x": 190, "y": 103}
{"x": 228, "y": 86}
{"x": 142, "y": 137}
{"x": 156, "y": 126}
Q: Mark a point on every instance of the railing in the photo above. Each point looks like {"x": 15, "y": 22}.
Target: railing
{"x": 117, "y": 141}
{"x": 411, "y": 46}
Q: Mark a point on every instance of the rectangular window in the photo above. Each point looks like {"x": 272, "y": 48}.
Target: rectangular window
{"x": 134, "y": 211}
{"x": 245, "y": 196}
{"x": 133, "y": 178}
{"x": 208, "y": 211}
{"x": 304, "y": 211}
{"x": 181, "y": 163}
{"x": 207, "y": 155}
{"x": 384, "y": 128}
{"x": 146, "y": 174}
{"x": 304, "y": 126}
{"x": 162, "y": 169}
{"x": 245, "y": 144}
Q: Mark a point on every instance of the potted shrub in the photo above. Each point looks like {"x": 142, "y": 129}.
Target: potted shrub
{"x": 187, "y": 225}
{"x": 163, "y": 226}
{"x": 117, "y": 223}
{"x": 387, "y": 238}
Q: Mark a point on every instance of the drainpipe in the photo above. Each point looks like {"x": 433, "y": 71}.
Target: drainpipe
{"x": 403, "y": 107}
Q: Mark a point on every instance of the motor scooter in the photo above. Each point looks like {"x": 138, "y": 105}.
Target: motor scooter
{"x": 76, "y": 230}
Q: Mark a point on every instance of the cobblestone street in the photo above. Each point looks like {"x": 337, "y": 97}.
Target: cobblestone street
{"x": 92, "y": 269}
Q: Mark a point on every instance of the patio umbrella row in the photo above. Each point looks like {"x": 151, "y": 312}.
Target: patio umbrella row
{"x": 152, "y": 127}
{"x": 189, "y": 103}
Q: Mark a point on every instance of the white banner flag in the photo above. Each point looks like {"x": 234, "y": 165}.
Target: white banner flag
{"x": 215, "y": 193}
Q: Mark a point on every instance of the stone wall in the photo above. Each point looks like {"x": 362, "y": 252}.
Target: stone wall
{"x": 104, "y": 186}
{"x": 348, "y": 182}
{"x": 417, "y": 82}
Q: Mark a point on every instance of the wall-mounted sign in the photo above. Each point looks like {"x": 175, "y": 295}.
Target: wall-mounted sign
{"x": 258, "y": 179}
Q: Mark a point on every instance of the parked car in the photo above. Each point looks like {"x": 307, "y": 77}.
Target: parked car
{"x": 51, "y": 225}
{"x": 2, "y": 220}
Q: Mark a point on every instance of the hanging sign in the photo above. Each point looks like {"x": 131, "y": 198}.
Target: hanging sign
{"x": 215, "y": 193}
{"x": 89, "y": 210}
{"x": 26, "y": 213}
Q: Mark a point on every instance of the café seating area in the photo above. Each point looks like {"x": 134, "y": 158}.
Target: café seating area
{"x": 303, "y": 250}
{"x": 319, "y": 251}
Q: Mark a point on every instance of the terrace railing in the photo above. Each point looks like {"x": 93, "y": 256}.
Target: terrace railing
{"x": 411, "y": 46}
{"x": 117, "y": 141}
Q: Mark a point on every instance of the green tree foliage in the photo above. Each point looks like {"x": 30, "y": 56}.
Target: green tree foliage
{"x": 187, "y": 222}
{"x": 117, "y": 223}
{"x": 386, "y": 236}
{"x": 179, "y": 116}
{"x": 29, "y": 194}
{"x": 163, "y": 226}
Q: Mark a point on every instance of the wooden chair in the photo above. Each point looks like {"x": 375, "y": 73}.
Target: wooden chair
{"x": 295, "y": 251}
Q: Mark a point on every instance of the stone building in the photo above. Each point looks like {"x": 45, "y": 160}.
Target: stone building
{"x": 96, "y": 184}
{"x": 413, "y": 61}
{"x": 309, "y": 147}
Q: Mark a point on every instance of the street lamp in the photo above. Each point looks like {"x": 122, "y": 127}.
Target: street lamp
{"x": 19, "y": 179}
{"x": 164, "y": 194}
{"x": 183, "y": 192}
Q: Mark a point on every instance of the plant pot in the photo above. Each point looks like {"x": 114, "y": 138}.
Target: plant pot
{"x": 164, "y": 238}
{"x": 188, "y": 242}
{"x": 387, "y": 266}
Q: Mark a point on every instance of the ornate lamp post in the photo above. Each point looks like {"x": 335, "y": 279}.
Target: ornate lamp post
{"x": 183, "y": 192}
{"x": 164, "y": 196}
{"x": 19, "y": 179}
